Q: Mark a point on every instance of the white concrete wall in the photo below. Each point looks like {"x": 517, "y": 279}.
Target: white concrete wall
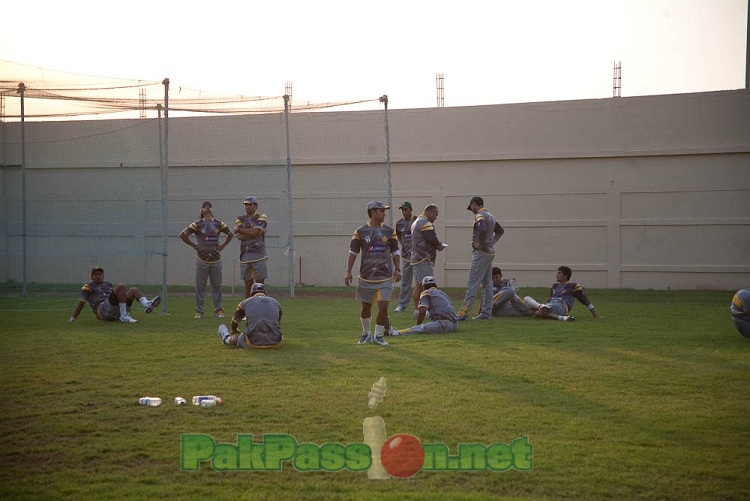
{"x": 642, "y": 192}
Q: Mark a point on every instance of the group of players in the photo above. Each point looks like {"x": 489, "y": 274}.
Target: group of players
{"x": 407, "y": 254}
{"x": 262, "y": 313}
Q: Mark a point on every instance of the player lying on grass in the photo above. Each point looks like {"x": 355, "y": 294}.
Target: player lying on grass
{"x": 263, "y": 321}
{"x": 111, "y": 303}
{"x": 562, "y": 296}
{"x": 443, "y": 318}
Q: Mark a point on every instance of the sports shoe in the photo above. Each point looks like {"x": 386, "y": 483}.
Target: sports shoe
{"x": 461, "y": 318}
{"x": 394, "y": 332}
{"x": 399, "y": 309}
{"x": 127, "y": 319}
{"x": 152, "y": 304}
{"x": 379, "y": 340}
{"x": 220, "y": 313}
{"x": 366, "y": 338}
{"x": 481, "y": 317}
{"x": 544, "y": 308}
{"x": 198, "y": 314}
{"x": 569, "y": 319}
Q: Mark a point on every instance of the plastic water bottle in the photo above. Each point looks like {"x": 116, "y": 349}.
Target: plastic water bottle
{"x": 150, "y": 401}
{"x": 199, "y": 399}
{"x": 513, "y": 283}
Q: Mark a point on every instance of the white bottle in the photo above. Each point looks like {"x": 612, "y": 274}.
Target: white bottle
{"x": 150, "y": 401}
{"x": 199, "y": 399}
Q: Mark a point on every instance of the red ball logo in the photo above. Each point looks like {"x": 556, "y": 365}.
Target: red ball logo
{"x": 402, "y": 455}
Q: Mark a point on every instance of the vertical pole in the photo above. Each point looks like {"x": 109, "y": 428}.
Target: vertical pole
{"x": 164, "y": 196}
{"x": 384, "y": 100}
{"x": 747, "y": 50}
{"x": 24, "y": 281}
{"x": 290, "y": 236}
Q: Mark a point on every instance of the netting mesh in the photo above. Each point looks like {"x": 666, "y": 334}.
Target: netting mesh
{"x": 78, "y": 193}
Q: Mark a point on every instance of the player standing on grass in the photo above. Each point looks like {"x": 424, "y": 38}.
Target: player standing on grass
{"x": 403, "y": 232}
{"x": 562, "y": 296}
{"x": 424, "y": 247}
{"x": 379, "y": 269}
{"x": 208, "y": 264}
{"x": 111, "y": 302}
{"x": 250, "y": 230}
{"x": 485, "y": 234}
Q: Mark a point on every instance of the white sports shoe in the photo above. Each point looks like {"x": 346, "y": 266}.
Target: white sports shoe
{"x": 399, "y": 309}
{"x": 127, "y": 319}
{"x": 152, "y": 304}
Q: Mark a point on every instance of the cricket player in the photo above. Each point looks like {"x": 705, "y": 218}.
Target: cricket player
{"x": 263, "y": 322}
{"x": 562, "y": 296}
{"x": 250, "y": 229}
{"x": 380, "y": 267}
{"x": 443, "y": 318}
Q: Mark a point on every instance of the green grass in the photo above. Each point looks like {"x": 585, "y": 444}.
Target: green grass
{"x": 649, "y": 402}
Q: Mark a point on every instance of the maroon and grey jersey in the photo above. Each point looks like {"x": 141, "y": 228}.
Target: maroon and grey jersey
{"x": 378, "y": 245}
{"x": 568, "y": 293}
{"x": 403, "y": 232}
{"x": 424, "y": 241}
{"x": 253, "y": 249}
{"x": 94, "y": 293}
{"x": 487, "y": 231}
{"x": 207, "y": 238}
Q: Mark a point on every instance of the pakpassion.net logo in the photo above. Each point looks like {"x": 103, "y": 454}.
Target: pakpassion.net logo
{"x": 401, "y": 455}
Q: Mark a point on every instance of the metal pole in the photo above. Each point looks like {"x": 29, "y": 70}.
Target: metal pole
{"x": 164, "y": 195}
{"x": 24, "y": 281}
{"x": 384, "y": 100}
{"x": 290, "y": 246}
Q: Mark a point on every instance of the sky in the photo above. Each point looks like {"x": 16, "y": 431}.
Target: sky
{"x": 489, "y": 51}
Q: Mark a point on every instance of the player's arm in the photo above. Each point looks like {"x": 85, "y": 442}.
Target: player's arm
{"x": 349, "y": 264}
{"x": 396, "y": 256}
{"x": 226, "y": 240}
{"x": 583, "y": 299}
{"x": 238, "y": 316}
{"x": 185, "y": 238}
{"x": 431, "y": 238}
{"x": 77, "y": 311}
{"x": 477, "y": 236}
{"x": 422, "y": 313}
{"x": 498, "y": 231}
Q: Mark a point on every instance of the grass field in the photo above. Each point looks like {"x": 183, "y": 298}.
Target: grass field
{"x": 649, "y": 402}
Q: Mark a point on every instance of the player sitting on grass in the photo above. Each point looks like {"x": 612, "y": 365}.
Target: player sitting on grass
{"x": 562, "y": 296}
{"x": 443, "y": 318}
{"x": 505, "y": 300}
{"x": 110, "y": 302}
{"x": 263, "y": 315}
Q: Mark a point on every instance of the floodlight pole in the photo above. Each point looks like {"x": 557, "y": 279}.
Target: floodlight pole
{"x": 384, "y": 100}
{"x": 164, "y": 195}
{"x": 24, "y": 281}
{"x": 289, "y": 198}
